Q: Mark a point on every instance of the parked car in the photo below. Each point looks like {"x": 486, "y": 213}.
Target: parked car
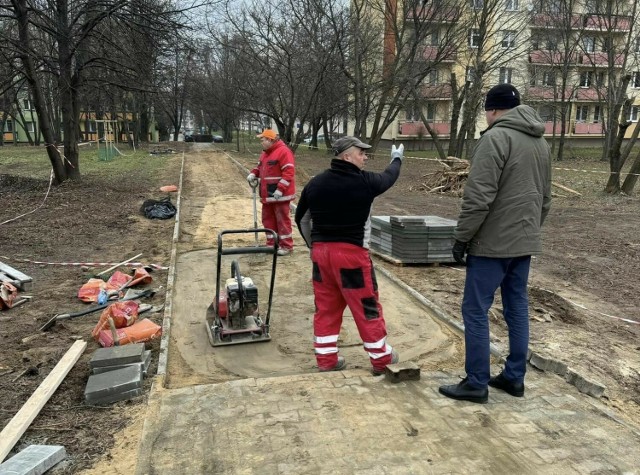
{"x": 320, "y": 139}
{"x": 218, "y": 138}
{"x": 189, "y": 138}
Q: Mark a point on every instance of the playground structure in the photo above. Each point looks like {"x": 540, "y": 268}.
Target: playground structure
{"x": 107, "y": 150}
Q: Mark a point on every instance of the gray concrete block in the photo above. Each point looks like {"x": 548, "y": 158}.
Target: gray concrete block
{"x": 34, "y": 460}
{"x": 113, "y": 382}
{"x": 546, "y": 363}
{"x": 144, "y": 366}
{"x": 405, "y": 371}
{"x": 585, "y": 385}
{"x": 118, "y": 355}
{"x": 114, "y": 398}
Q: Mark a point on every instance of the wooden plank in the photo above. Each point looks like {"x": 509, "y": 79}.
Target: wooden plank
{"x": 118, "y": 265}
{"x": 15, "y": 274}
{"x": 565, "y": 188}
{"x": 28, "y": 412}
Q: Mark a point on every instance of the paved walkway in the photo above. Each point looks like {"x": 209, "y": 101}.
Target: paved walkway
{"x": 353, "y": 423}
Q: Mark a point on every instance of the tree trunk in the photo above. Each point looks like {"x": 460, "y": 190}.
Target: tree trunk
{"x": 631, "y": 179}
{"x": 21, "y": 12}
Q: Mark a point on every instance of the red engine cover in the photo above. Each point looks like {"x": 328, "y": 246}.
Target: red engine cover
{"x": 222, "y": 304}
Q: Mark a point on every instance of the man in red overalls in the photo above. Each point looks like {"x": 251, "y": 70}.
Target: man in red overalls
{"x": 276, "y": 171}
{"x": 333, "y": 218}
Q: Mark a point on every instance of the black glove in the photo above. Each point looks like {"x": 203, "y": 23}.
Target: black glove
{"x": 458, "y": 251}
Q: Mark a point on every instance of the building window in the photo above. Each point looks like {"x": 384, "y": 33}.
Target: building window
{"x": 8, "y": 125}
{"x": 606, "y": 45}
{"x": 511, "y": 5}
{"x": 431, "y": 112}
{"x": 636, "y": 45}
{"x": 589, "y": 44}
{"x": 432, "y": 77}
{"x": 549, "y": 78}
{"x": 477, "y": 4}
{"x": 600, "y": 79}
{"x": 435, "y": 38}
{"x": 505, "y": 75}
{"x": 412, "y": 112}
{"x": 635, "y": 79}
{"x": 585, "y": 78}
{"x": 533, "y": 76}
{"x": 470, "y": 74}
{"x": 508, "y": 39}
{"x": 30, "y": 127}
{"x": 633, "y": 114}
{"x": 597, "y": 114}
{"x": 474, "y": 38}
{"x": 582, "y": 114}
{"x": 26, "y": 104}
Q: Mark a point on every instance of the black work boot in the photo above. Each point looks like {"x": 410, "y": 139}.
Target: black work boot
{"x": 464, "y": 392}
{"x": 510, "y": 387}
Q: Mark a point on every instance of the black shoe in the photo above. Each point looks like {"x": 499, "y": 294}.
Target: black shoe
{"x": 502, "y": 383}
{"x": 340, "y": 365}
{"x": 395, "y": 357}
{"x": 463, "y": 392}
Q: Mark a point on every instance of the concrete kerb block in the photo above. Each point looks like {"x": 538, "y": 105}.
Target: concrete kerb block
{"x": 585, "y": 385}
{"x": 34, "y": 460}
{"x": 405, "y": 371}
{"x": 548, "y": 364}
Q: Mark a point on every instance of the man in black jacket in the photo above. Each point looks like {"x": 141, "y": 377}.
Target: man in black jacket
{"x": 333, "y": 216}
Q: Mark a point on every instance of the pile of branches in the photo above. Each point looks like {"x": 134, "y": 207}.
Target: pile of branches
{"x": 450, "y": 179}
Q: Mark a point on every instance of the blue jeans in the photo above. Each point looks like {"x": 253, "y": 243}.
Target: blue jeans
{"x": 484, "y": 276}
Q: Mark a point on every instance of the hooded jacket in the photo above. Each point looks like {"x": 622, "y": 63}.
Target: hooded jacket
{"x": 335, "y": 206}
{"x": 508, "y": 193}
{"x": 276, "y": 171}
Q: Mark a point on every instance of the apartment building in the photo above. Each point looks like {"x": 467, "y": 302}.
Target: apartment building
{"x": 560, "y": 60}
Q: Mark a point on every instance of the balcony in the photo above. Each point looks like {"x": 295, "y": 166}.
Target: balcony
{"x": 433, "y": 14}
{"x": 437, "y": 91}
{"x": 555, "y": 21}
{"x": 549, "y": 128}
{"x": 549, "y": 57}
{"x": 436, "y": 53}
{"x": 418, "y": 129}
{"x": 585, "y": 128}
{"x": 589, "y": 94}
{"x": 600, "y": 59}
{"x": 606, "y": 23}
{"x": 542, "y": 93}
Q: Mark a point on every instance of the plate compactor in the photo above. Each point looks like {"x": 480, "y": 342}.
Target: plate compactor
{"x": 234, "y": 317}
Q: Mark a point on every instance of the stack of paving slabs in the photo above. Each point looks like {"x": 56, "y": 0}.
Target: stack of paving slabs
{"x": 117, "y": 374}
{"x": 413, "y": 239}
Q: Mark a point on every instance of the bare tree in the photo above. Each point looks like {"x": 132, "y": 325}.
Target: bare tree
{"x": 56, "y": 39}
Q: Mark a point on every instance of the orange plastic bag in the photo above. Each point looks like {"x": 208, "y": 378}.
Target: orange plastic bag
{"x": 89, "y": 292}
{"x": 140, "y": 276}
{"x": 169, "y": 188}
{"x": 124, "y": 314}
{"x": 140, "y": 332}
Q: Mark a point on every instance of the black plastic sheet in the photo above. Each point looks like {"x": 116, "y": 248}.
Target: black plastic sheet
{"x": 158, "y": 209}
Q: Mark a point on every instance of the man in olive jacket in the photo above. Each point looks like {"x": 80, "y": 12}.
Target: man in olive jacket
{"x": 506, "y": 199}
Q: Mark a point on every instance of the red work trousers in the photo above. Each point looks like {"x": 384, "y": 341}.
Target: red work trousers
{"x": 277, "y": 217}
{"x": 343, "y": 276}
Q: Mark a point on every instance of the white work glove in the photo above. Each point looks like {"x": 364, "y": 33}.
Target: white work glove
{"x": 277, "y": 195}
{"x": 397, "y": 152}
{"x": 253, "y": 181}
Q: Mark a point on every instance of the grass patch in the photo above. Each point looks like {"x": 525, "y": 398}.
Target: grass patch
{"x": 33, "y": 162}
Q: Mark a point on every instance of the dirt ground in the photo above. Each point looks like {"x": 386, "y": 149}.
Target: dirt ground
{"x": 590, "y": 258}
